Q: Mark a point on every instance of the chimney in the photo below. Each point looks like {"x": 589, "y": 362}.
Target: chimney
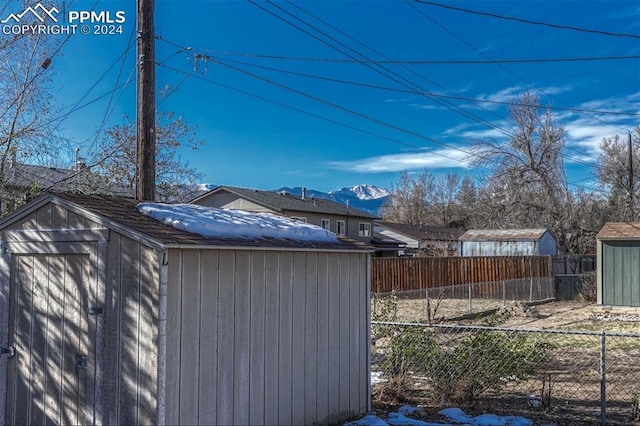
{"x": 304, "y": 192}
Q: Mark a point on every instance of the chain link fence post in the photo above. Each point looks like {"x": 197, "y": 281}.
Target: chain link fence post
{"x": 603, "y": 382}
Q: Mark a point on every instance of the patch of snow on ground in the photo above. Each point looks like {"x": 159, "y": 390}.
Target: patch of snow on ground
{"x": 454, "y": 416}
{"x": 212, "y": 222}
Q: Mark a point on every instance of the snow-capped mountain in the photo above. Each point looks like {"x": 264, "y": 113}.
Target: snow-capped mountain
{"x": 362, "y": 192}
{"x": 369, "y": 198}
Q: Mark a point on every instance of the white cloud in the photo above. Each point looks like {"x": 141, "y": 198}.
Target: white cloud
{"x": 438, "y": 159}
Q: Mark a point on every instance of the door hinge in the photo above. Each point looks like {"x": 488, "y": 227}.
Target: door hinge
{"x": 10, "y": 351}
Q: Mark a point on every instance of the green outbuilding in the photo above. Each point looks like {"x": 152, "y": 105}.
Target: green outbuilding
{"x": 618, "y": 250}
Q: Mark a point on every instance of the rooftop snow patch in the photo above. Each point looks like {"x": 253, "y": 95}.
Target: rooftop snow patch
{"x": 216, "y": 223}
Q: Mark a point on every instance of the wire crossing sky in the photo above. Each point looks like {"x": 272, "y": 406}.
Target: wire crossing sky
{"x": 328, "y": 94}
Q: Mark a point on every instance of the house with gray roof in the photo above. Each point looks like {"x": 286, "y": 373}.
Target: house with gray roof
{"x": 428, "y": 240}
{"x": 22, "y": 182}
{"x": 508, "y": 242}
{"x": 338, "y": 218}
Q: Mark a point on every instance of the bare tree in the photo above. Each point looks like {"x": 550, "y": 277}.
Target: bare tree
{"x": 528, "y": 181}
{"x": 443, "y": 202}
{"x": 116, "y": 159}
{"x": 618, "y": 175}
{"x": 408, "y": 203}
{"x": 426, "y": 200}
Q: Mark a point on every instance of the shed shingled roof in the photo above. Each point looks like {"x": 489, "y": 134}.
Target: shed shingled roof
{"x": 503, "y": 234}
{"x": 619, "y": 231}
{"x": 283, "y": 201}
{"x": 123, "y": 211}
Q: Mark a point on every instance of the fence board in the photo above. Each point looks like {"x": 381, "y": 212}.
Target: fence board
{"x": 404, "y": 274}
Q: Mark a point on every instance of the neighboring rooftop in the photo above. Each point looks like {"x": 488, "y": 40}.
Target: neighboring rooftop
{"x": 20, "y": 175}
{"x": 284, "y": 201}
{"x": 420, "y": 232}
{"x": 503, "y": 234}
{"x": 619, "y": 230}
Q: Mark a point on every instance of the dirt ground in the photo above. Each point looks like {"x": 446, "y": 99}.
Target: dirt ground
{"x": 577, "y": 316}
{"x": 550, "y": 315}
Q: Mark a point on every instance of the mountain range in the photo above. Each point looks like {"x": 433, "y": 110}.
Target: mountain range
{"x": 369, "y": 198}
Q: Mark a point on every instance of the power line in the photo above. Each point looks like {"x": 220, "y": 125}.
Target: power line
{"x": 527, "y": 21}
{"x": 340, "y": 107}
{"x": 390, "y": 74}
{"x": 415, "y": 92}
{"x": 423, "y": 61}
{"x": 108, "y": 110}
{"x": 451, "y": 106}
{"x": 299, "y": 110}
{"x": 204, "y": 57}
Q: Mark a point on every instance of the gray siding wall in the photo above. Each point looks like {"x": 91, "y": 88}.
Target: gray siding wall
{"x": 498, "y": 248}
{"x": 126, "y": 332}
{"x": 547, "y": 245}
{"x": 620, "y": 269}
{"x": 232, "y": 201}
{"x": 130, "y": 332}
{"x": 266, "y": 337}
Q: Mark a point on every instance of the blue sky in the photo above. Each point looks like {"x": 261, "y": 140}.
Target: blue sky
{"x": 259, "y": 91}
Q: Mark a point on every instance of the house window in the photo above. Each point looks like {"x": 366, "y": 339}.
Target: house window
{"x": 301, "y": 219}
{"x": 364, "y": 230}
{"x": 340, "y": 226}
{"x": 326, "y": 224}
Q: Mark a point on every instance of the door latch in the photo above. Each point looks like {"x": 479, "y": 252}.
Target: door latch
{"x": 10, "y": 351}
{"x": 81, "y": 361}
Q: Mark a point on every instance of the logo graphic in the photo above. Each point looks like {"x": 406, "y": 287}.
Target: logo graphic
{"x": 40, "y": 19}
{"x": 39, "y": 11}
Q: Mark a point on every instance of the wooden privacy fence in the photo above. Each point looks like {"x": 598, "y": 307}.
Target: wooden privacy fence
{"x": 415, "y": 273}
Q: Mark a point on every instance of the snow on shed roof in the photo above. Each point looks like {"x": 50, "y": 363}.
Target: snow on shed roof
{"x": 122, "y": 214}
{"x": 503, "y": 234}
{"x": 619, "y": 231}
{"x": 213, "y": 222}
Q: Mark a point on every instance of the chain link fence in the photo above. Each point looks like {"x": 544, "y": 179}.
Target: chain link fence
{"x": 464, "y": 300}
{"x": 580, "y": 287}
{"x": 563, "y": 377}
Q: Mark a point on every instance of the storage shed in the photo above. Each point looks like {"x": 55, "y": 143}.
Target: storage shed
{"x": 507, "y": 242}
{"x": 108, "y": 316}
{"x": 618, "y": 269}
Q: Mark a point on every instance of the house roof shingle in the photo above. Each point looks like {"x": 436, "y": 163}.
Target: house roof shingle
{"x": 282, "y": 201}
{"x": 23, "y": 176}
{"x": 422, "y": 233}
{"x": 123, "y": 211}
{"x": 503, "y": 234}
{"x": 619, "y": 230}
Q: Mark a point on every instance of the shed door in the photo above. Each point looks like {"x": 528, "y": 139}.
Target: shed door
{"x": 48, "y": 327}
{"x": 621, "y": 273}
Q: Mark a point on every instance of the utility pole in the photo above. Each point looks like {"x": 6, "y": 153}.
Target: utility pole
{"x": 631, "y": 188}
{"x": 146, "y": 103}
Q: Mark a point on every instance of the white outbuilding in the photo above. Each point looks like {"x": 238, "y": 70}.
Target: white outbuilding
{"x": 113, "y": 312}
{"x": 508, "y": 242}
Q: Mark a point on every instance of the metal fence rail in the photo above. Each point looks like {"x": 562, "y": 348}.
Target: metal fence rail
{"x": 573, "y": 377}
